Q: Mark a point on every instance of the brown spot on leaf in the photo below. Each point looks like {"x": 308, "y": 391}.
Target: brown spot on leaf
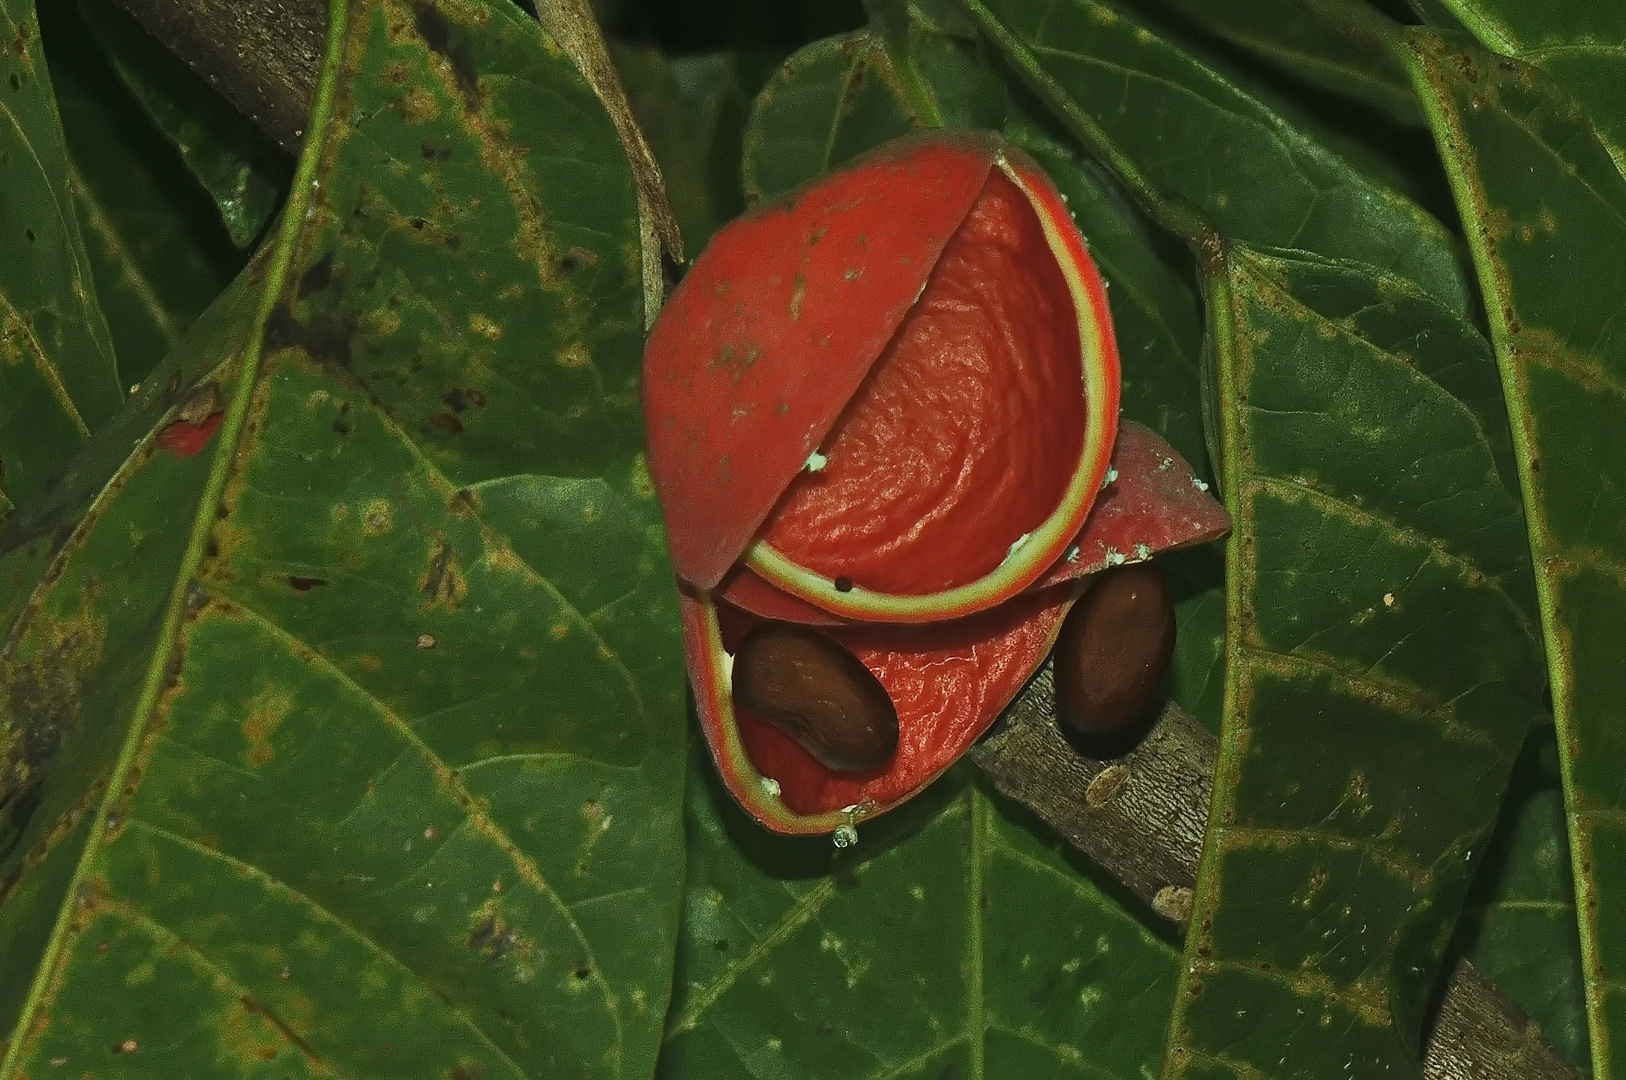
{"x": 446, "y": 422}
{"x": 326, "y": 337}
{"x": 437, "y": 34}
{"x": 317, "y": 278}
{"x": 460, "y": 400}
{"x": 257, "y": 1007}
{"x": 576, "y": 258}
{"x": 443, "y": 582}
{"x": 304, "y": 584}
{"x": 492, "y": 937}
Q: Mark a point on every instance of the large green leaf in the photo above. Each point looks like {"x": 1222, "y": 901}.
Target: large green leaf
{"x": 157, "y": 251}
{"x": 1192, "y": 136}
{"x": 1539, "y": 189}
{"x": 353, "y": 743}
{"x": 244, "y": 172}
{"x": 58, "y": 378}
{"x": 951, "y": 942}
{"x": 1581, "y": 47}
{"x": 1379, "y": 644}
{"x": 1310, "y": 48}
{"x": 1518, "y": 927}
{"x": 1374, "y": 527}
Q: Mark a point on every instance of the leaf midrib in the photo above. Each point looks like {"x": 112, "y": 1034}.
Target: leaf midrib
{"x": 225, "y": 450}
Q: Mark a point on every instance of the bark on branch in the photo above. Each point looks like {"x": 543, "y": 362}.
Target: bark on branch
{"x": 1140, "y": 817}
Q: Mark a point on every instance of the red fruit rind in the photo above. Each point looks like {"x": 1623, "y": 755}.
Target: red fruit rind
{"x": 1154, "y": 503}
{"x": 771, "y": 333}
{"x": 950, "y": 680}
{"x": 1039, "y": 547}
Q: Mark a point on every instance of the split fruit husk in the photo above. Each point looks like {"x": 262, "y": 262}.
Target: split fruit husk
{"x": 886, "y": 405}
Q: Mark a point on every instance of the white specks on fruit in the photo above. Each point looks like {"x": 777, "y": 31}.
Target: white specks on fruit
{"x": 1165, "y": 464}
{"x": 1112, "y": 476}
{"x": 1142, "y": 552}
{"x": 1200, "y": 485}
{"x": 845, "y": 836}
{"x": 1016, "y": 545}
{"x": 769, "y": 786}
{"x": 1072, "y": 553}
{"x": 816, "y": 462}
{"x": 1114, "y": 557}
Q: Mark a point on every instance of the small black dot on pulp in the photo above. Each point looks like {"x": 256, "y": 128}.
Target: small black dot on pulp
{"x": 844, "y": 584}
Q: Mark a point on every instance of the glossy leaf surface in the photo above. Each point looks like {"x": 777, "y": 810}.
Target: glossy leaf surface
{"x": 1518, "y": 926}
{"x": 1333, "y": 492}
{"x": 158, "y": 252}
{"x": 1537, "y": 184}
{"x": 1334, "y": 867}
{"x": 350, "y": 738}
{"x": 243, "y": 171}
{"x": 1581, "y": 47}
{"x": 58, "y": 376}
{"x": 951, "y": 941}
{"x": 1192, "y": 134}
{"x": 1311, "y": 48}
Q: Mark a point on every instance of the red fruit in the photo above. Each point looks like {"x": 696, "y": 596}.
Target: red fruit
{"x": 885, "y": 404}
{"x": 963, "y": 466}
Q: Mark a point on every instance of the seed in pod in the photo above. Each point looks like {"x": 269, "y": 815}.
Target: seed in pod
{"x": 818, "y": 693}
{"x": 1113, "y": 649}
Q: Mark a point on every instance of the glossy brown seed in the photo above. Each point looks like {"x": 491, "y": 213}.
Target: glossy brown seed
{"x": 814, "y": 690}
{"x": 1113, "y": 649}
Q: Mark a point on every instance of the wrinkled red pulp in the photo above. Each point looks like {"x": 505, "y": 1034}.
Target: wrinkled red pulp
{"x": 968, "y": 429}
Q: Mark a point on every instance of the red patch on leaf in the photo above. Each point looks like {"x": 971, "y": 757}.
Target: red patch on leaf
{"x": 183, "y": 438}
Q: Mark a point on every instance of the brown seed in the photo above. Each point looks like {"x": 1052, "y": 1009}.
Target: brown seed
{"x": 1113, "y": 649}
{"x": 811, "y": 688}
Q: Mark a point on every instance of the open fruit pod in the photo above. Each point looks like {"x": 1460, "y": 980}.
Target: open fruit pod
{"x": 883, "y": 425}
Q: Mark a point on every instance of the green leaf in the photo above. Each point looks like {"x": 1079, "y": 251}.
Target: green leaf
{"x": 244, "y": 172}
{"x": 716, "y": 90}
{"x": 1581, "y": 47}
{"x": 157, "y": 251}
{"x": 950, "y": 942}
{"x": 1310, "y": 48}
{"x": 353, "y": 743}
{"x": 1183, "y": 134}
{"x": 58, "y": 378}
{"x": 830, "y": 102}
{"x": 1379, "y": 642}
{"x": 1538, "y": 188}
{"x": 1518, "y": 927}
